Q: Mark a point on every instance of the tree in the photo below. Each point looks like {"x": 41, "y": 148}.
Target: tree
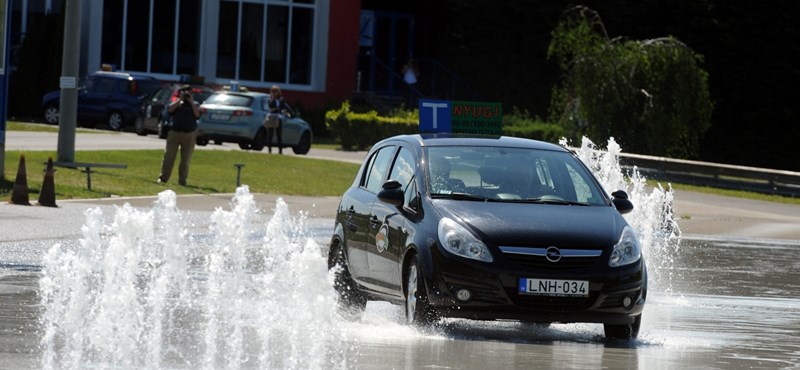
{"x": 651, "y": 95}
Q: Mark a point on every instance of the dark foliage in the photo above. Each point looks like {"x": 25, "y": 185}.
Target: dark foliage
{"x": 750, "y": 52}
{"x": 38, "y": 67}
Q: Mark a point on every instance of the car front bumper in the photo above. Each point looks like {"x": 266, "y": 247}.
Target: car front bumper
{"x": 494, "y": 293}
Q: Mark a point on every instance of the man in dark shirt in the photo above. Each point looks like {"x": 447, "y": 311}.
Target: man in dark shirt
{"x": 182, "y": 135}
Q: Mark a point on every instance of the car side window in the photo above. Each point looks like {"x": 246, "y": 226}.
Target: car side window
{"x": 377, "y": 169}
{"x": 403, "y": 168}
{"x": 412, "y": 196}
{"x": 103, "y": 85}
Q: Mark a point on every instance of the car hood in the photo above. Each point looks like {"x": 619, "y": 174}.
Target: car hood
{"x": 50, "y": 96}
{"x": 520, "y": 224}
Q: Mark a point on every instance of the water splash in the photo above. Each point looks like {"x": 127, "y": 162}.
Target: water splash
{"x": 143, "y": 293}
{"x": 652, "y": 218}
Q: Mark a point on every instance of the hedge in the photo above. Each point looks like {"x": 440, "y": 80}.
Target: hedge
{"x": 359, "y": 131}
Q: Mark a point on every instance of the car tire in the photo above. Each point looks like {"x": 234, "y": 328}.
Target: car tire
{"x": 243, "y": 146}
{"x": 351, "y": 302}
{"x": 202, "y": 142}
{"x": 623, "y": 332}
{"x": 51, "y": 114}
{"x": 419, "y": 311}
{"x": 304, "y": 145}
{"x": 139, "y": 127}
{"x": 115, "y": 121}
{"x": 260, "y": 140}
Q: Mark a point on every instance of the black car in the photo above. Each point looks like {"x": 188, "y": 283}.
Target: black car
{"x": 113, "y": 98}
{"x": 487, "y": 228}
{"x": 154, "y": 115}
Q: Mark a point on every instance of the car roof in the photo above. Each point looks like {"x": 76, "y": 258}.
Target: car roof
{"x": 122, "y": 75}
{"x": 252, "y": 94}
{"x": 445, "y": 139}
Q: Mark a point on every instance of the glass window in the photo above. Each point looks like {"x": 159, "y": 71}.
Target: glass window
{"x": 378, "y": 168}
{"x": 226, "y": 39}
{"x": 277, "y": 36}
{"x": 509, "y": 174}
{"x": 412, "y": 196}
{"x": 163, "y": 49}
{"x": 251, "y": 41}
{"x": 103, "y": 85}
{"x": 189, "y": 37}
{"x": 302, "y": 29}
{"x": 230, "y": 100}
{"x": 136, "y": 36}
{"x": 111, "y": 52}
{"x": 403, "y": 169}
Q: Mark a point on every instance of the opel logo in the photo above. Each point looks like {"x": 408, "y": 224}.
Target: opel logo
{"x": 553, "y": 254}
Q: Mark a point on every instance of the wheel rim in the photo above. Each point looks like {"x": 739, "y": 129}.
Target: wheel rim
{"x": 51, "y": 115}
{"x": 411, "y": 297}
{"x": 115, "y": 121}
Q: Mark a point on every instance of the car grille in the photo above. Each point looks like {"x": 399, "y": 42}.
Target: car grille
{"x": 536, "y": 257}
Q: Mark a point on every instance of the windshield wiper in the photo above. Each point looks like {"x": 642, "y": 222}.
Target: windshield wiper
{"x": 463, "y": 196}
{"x": 550, "y": 200}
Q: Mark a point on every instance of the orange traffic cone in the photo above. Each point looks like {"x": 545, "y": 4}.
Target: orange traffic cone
{"x": 19, "y": 195}
{"x": 47, "y": 197}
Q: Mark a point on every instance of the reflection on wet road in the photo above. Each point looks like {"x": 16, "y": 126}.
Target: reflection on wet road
{"x": 730, "y": 305}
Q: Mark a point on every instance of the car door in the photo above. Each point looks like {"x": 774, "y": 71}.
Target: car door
{"x": 99, "y": 94}
{"x": 154, "y": 108}
{"x": 356, "y": 212}
{"x": 292, "y": 128}
{"x": 388, "y": 233}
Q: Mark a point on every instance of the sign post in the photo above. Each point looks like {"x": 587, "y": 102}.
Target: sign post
{"x": 4, "y": 36}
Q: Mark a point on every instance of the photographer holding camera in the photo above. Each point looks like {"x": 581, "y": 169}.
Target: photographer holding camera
{"x": 181, "y": 136}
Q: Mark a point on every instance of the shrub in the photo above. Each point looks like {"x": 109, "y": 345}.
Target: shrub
{"x": 360, "y": 130}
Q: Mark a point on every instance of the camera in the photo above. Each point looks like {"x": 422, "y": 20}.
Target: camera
{"x": 186, "y": 97}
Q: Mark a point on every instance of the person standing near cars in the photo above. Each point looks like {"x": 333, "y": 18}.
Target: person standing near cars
{"x": 274, "y": 120}
{"x": 181, "y": 136}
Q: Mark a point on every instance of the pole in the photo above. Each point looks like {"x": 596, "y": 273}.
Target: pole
{"x": 68, "y": 104}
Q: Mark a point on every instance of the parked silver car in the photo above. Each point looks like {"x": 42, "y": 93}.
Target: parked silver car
{"x": 237, "y": 117}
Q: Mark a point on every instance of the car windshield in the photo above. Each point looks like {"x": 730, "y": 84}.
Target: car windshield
{"x": 510, "y": 174}
{"x": 230, "y": 99}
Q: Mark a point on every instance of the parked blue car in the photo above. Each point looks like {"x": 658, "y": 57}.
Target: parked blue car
{"x": 112, "y": 98}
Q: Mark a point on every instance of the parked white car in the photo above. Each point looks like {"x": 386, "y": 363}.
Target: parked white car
{"x": 238, "y": 117}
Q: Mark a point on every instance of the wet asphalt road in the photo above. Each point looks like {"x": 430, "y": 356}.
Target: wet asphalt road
{"x": 726, "y": 299}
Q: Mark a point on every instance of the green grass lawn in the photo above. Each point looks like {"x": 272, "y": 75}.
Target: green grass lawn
{"x": 212, "y": 171}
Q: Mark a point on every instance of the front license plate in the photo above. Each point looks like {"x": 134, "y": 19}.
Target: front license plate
{"x": 570, "y": 288}
{"x": 220, "y": 117}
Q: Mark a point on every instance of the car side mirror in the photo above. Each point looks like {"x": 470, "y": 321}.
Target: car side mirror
{"x": 392, "y": 193}
{"x": 621, "y": 202}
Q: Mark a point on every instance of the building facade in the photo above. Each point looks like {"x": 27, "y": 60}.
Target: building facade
{"x": 307, "y": 47}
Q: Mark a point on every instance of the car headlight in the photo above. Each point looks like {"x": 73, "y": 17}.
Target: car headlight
{"x": 627, "y": 249}
{"x": 458, "y": 240}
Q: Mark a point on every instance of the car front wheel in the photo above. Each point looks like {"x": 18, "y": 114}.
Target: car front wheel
{"x": 51, "y": 114}
{"x": 115, "y": 121}
{"x": 419, "y": 311}
{"x": 351, "y": 302}
{"x": 623, "y": 332}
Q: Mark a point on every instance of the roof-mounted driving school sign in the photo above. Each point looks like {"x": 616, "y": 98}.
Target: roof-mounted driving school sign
{"x": 463, "y": 117}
